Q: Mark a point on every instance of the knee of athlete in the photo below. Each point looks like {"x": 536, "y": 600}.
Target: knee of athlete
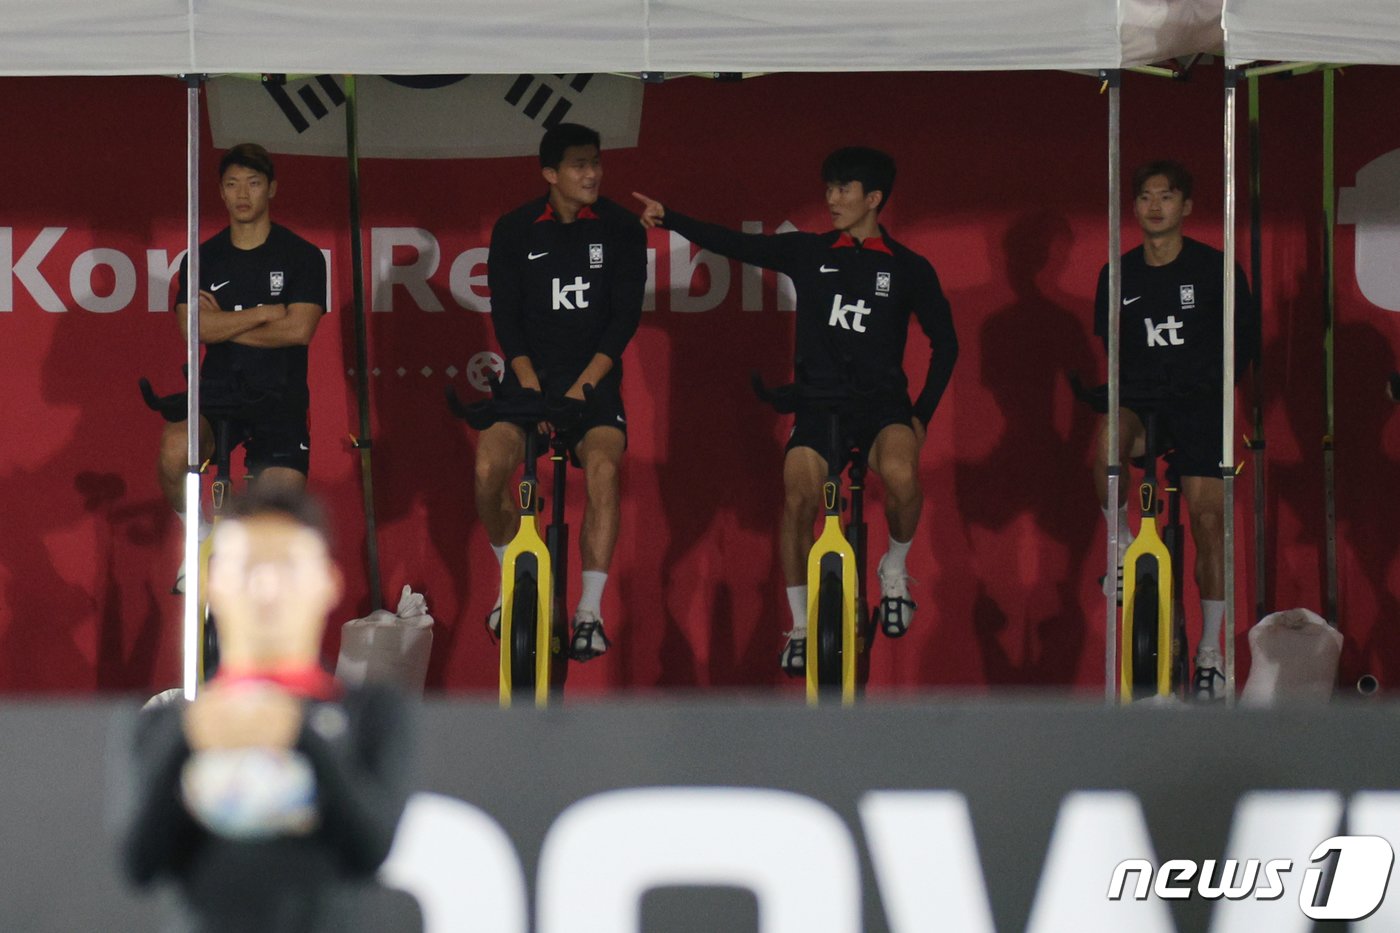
{"x": 491, "y": 474}
{"x": 901, "y": 480}
{"x": 174, "y": 448}
{"x": 1209, "y": 528}
{"x": 802, "y": 499}
{"x": 602, "y": 476}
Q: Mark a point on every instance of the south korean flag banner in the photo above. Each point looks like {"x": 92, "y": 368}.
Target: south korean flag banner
{"x": 422, "y": 116}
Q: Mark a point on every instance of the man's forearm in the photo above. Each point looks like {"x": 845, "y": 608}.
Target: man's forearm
{"x": 222, "y": 326}
{"x": 282, "y": 330}
{"x": 592, "y": 374}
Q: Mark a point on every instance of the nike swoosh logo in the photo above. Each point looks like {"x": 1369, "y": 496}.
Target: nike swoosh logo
{"x": 1128, "y": 301}
{"x": 835, "y": 269}
{"x": 303, "y": 447}
{"x": 215, "y": 288}
{"x": 538, "y": 255}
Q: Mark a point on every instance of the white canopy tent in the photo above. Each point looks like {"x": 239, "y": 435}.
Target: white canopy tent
{"x": 71, "y": 37}
{"x": 199, "y": 37}
{"x": 1355, "y": 32}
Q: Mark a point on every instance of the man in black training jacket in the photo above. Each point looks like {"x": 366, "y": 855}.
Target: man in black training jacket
{"x": 567, "y": 272}
{"x": 856, "y": 290}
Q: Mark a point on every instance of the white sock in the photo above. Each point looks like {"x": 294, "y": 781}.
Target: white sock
{"x": 797, "y": 602}
{"x": 591, "y": 600}
{"x": 1125, "y": 536}
{"x": 1212, "y": 614}
{"x": 500, "y": 551}
{"x": 894, "y": 557}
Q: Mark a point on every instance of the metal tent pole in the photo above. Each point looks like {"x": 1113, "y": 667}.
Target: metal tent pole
{"x": 1113, "y": 80}
{"x": 363, "y": 442}
{"x": 1329, "y": 310}
{"x": 1256, "y": 441}
{"x": 190, "y": 630}
{"x": 1227, "y": 401}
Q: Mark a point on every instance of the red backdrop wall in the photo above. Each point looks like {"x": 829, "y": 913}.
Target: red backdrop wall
{"x": 1001, "y": 184}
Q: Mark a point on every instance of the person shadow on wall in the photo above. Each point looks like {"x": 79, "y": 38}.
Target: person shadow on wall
{"x": 1368, "y": 515}
{"x": 100, "y": 627}
{"x": 1029, "y": 504}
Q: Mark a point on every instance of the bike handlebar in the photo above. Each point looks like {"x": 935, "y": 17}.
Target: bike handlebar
{"x": 519, "y": 406}
{"x": 1097, "y": 397}
{"x": 801, "y": 396}
{"x": 217, "y": 400}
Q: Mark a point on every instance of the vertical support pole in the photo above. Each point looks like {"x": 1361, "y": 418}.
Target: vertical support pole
{"x": 1227, "y": 395}
{"x": 1113, "y": 81}
{"x": 190, "y": 621}
{"x": 363, "y": 441}
{"x": 1256, "y": 273}
{"x": 1329, "y": 311}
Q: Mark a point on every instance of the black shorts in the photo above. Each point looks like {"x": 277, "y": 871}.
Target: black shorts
{"x": 858, "y": 432}
{"x": 604, "y": 411}
{"x": 1190, "y": 433}
{"x": 276, "y": 438}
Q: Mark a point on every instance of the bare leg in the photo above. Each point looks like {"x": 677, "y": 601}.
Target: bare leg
{"x": 1205, "y": 500}
{"x": 500, "y": 451}
{"x": 600, "y": 453}
{"x": 895, "y": 459}
{"x": 279, "y": 479}
{"x": 804, "y": 470}
{"x": 172, "y": 464}
{"x": 1132, "y": 442}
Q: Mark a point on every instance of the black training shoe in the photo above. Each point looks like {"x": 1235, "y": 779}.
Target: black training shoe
{"x": 589, "y": 640}
{"x": 1208, "y": 684}
{"x": 794, "y": 656}
{"x": 493, "y": 620}
{"x": 896, "y": 609}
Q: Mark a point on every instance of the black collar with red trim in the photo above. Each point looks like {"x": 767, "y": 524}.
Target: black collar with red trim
{"x": 877, "y": 243}
{"x": 584, "y": 213}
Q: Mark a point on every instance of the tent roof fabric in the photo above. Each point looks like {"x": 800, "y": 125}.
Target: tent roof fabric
{"x": 78, "y": 37}
{"x": 1349, "y": 32}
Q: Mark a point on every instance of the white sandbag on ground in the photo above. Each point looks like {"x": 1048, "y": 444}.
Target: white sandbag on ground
{"x": 1293, "y": 658}
{"x": 388, "y": 647}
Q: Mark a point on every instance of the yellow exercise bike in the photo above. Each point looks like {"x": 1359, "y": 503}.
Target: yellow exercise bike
{"x": 839, "y": 621}
{"x": 1152, "y": 622}
{"x": 534, "y": 619}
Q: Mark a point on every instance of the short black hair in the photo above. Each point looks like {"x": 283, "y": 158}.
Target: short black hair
{"x": 1178, "y": 178}
{"x": 561, "y": 136}
{"x": 298, "y": 507}
{"x": 871, "y": 167}
{"x": 248, "y": 155}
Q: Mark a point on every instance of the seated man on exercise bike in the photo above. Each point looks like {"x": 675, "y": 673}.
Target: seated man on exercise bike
{"x": 262, "y": 291}
{"x": 856, "y": 290}
{"x": 567, "y": 272}
{"x": 1173, "y": 306}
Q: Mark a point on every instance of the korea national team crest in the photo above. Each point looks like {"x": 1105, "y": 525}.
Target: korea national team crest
{"x": 595, "y": 256}
{"x": 882, "y": 283}
{"x": 277, "y": 281}
{"x": 1188, "y": 296}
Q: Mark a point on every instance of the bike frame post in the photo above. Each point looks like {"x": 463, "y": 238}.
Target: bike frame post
{"x": 855, "y": 529}
{"x": 1113, "y": 80}
{"x": 1227, "y": 447}
{"x": 190, "y": 619}
{"x": 556, "y": 539}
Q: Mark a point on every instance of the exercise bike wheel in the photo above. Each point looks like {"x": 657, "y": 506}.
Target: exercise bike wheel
{"x": 829, "y": 611}
{"x": 523, "y": 624}
{"x": 1145, "y": 646}
{"x": 210, "y": 646}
